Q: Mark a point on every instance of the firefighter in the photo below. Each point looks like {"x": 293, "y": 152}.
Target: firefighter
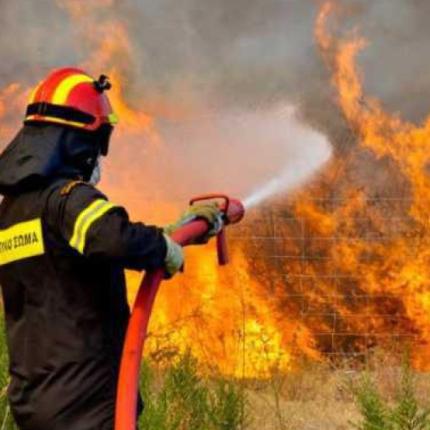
{"x": 63, "y": 251}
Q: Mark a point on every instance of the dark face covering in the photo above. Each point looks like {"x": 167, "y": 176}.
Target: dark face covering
{"x": 40, "y": 154}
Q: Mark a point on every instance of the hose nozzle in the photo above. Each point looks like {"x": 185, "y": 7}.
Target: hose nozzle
{"x": 233, "y": 212}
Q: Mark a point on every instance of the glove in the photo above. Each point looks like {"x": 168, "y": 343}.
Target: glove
{"x": 208, "y": 211}
{"x": 174, "y": 257}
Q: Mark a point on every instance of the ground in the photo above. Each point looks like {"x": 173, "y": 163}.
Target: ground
{"x": 315, "y": 396}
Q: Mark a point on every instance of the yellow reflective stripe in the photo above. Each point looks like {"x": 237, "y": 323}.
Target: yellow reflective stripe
{"x": 56, "y": 120}
{"x": 63, "y": 90}
{"x": 23, "y": 240}
{"x": 85, "y": 220}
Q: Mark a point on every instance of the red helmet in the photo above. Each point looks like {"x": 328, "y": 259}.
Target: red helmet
{"x": 71, "y": 97}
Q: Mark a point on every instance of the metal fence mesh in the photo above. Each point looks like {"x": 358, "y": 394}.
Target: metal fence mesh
{"x": 348, "y": 318}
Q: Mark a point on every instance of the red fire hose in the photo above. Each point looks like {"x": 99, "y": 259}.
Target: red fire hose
{"x": 128, "y": 385}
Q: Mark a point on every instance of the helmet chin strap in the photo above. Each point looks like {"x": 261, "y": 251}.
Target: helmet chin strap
{"x": 97, "y": 173}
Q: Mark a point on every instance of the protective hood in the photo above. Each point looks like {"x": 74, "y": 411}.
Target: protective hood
{"x": 41, "y": 154}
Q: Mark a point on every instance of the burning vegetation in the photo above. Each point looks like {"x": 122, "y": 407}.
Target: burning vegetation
{"x": 336, "y": 269}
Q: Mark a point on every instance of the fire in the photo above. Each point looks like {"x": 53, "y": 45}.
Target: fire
{"x": 335, "y": 273}
{"x": 112, "y": 53}
{"x": 11, "y": 98}
{"x": 394, "y": 268}
{"x": 221, "y": 316}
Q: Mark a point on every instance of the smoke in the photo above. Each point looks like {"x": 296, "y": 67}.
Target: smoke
{"x": 216, "y": 74}
{"x": 231, "y": 151}
{"x": 242, "y": 53}
{"x": 396, "y": 62}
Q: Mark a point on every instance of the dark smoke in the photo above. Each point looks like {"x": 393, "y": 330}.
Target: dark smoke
{"x": 255, "y": 53}
{"x": 226, "y": 56}
{"x": 244, "y": 53}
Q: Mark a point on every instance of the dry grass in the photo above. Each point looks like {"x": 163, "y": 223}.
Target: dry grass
{"x": 316, "y": 397}
{"x": 320, "y": 398}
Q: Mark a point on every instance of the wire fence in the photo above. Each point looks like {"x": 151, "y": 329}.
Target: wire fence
{"x": 350, "y": 310}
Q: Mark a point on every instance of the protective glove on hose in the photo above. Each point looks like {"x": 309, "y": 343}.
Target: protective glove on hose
{"x": 208, "y": 211}
{"x": 174, "y": 259}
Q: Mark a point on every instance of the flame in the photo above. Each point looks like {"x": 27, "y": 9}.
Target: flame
{"x": 328, "y": 286}
{"x": 222, "y": 317}
{"x": 394, "y": 269}
{"x": 12, "y": 99}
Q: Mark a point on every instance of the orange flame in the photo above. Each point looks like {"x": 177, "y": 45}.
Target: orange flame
{"x": 259, "y": 314}
{"x": 395, "y": 268}
{"x": 222, "y": 317}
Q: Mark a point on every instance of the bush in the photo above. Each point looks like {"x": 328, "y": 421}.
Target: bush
{"x": 185, "y": 401}
{"x": 181, "y": 400}
{"x": 404, "y": 413}
{"x": 6, "y": 420}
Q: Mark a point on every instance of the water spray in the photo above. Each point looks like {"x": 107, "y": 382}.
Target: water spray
{"x": 301, "y": 166}
{"x": 128, "y": 385}
{"x": 287, "y": 180}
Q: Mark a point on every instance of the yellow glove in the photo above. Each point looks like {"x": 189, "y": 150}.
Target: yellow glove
{"x": 208, "y": 211}
{"x": 174, "y": 259}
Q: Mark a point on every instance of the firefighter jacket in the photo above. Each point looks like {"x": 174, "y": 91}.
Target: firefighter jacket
{"x": 63, "y": 251}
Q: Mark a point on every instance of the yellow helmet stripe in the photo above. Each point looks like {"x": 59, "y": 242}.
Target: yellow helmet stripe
{"x": 66, "y": 86}
{"x": 33, "y": 94}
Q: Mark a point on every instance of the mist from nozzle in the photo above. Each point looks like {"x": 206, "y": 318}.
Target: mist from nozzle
{"x": 314, "y": 152}
{"x": 239, "y": 153}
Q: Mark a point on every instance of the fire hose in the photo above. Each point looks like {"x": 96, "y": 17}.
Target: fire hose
{"x": 128, "y": 385}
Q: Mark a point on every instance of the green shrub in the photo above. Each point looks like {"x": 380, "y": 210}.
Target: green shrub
{"x": 186, "y": 401}
{"x": 404, "y": 413}
{"x": 375, "y": 413}
{"x": 6, "y": 420}
{"x": 227, "y": 406}
{"x": 407, "y": 414}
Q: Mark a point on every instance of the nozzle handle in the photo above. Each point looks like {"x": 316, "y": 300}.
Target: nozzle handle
{"x": 222, "y": 249}
{"x": 221, "y": 240}
{"x": 224, "y": 206}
